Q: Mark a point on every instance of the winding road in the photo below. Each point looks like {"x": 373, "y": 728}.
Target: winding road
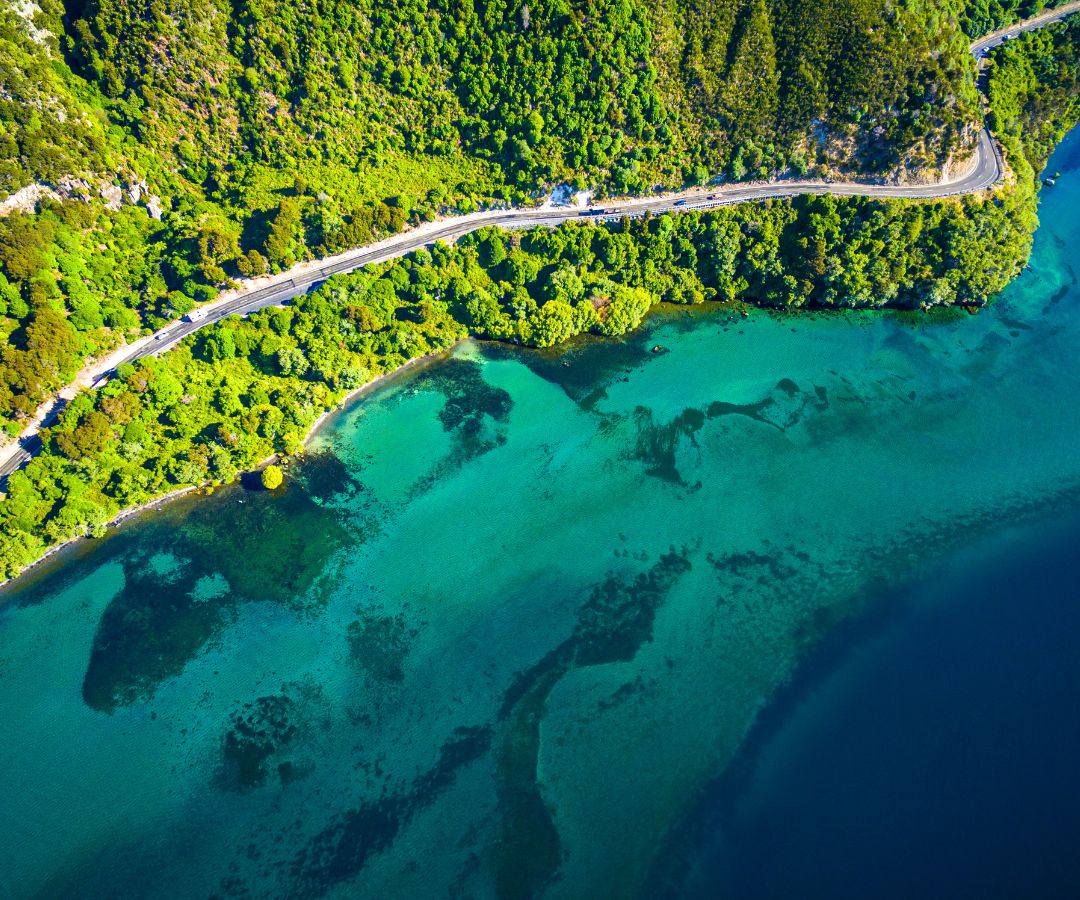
{"x": 985, "y": 171}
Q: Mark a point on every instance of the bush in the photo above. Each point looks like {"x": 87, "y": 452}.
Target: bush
{"x": 272, "y": 477}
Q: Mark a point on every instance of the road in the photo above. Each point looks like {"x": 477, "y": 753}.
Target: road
{"x": 994, "y": 38}
{"x": 986, "y": 171}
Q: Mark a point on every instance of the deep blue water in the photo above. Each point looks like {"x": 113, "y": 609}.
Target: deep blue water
{"x": 937, "y": 759}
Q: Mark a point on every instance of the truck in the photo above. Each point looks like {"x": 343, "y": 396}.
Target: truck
{"x": 195, "y": 315}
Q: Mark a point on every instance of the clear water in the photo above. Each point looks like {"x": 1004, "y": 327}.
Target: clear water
{"x": 515, "y": 615}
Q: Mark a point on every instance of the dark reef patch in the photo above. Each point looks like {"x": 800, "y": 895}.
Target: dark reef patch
{"x": 751, "y": 565}
{"x": 469, "y": 397}
{"x": 326, "y": 478}
{"x": 623, "y": 694}
{"x": 527, "y": 851}
{"x": 558, "y": 659}
{"x": 466, "y": 745}
{"x": 619, "y": 614}
{"x": 784, "y": 407}
{"x": 291, "y": 536}
{"x": 378, "y": 644}
{"x": 475, "y": 413}
{"x": 341, "y": 850}
{"x": 613, "y": 623}
{"x": 259, "y": 731}
{"x": 655, "y": 445}
{"x": 268, "y": 547}
{"x": 584, "y": 367}
{"x": 1061, "y": 293}
{"x": 272, "y": 735}
{"x": 753, "y": 411}
{"x": 150, "y": 631}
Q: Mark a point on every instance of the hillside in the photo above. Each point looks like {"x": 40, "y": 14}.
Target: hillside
{"x": 170, "y": 145}
{"x": 541, "y": 90}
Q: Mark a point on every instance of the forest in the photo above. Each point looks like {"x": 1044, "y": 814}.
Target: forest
{"x": 210, "y": 140}
{"x": 245, "y": 389}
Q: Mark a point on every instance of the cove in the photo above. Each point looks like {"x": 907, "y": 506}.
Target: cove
{"x": 517, "y": 611}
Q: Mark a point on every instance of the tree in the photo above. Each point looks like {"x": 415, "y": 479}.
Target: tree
{"x": 252, "y": 263}
{"x": 282, "y": 245}
{"x": 272, "y": 477}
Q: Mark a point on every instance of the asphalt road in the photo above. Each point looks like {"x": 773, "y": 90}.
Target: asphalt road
{"x": 989, "y": 41}
{"x": 987, "y": 172}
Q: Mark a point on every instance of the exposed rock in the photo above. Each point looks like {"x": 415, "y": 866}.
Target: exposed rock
{"x": 26, "y": 199}
{"x": 71, "y": 188}
{"x": 26, "y": 10}
{"x": 113, "y": 196}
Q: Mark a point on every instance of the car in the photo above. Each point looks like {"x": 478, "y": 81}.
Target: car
{"x": 681, "y": 202}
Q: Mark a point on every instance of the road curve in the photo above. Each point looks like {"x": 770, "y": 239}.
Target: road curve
{"x": 985, "y": 172}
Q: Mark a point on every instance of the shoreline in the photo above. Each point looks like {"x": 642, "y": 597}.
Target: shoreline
{"x": 123, "y": 516}
{"x": 399, "y": 243}
{"x": 369, "y": 388}
{"x": 381, "y": 381}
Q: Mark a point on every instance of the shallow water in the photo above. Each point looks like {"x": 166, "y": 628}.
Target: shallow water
{"x": 513, "y": 617}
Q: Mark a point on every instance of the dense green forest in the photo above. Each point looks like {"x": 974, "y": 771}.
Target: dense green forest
{"x": 242, "y": 92}
{"x": 244, "y": 389}
{"x": 204, "y": 140}
{"x": 1023, "y": 111}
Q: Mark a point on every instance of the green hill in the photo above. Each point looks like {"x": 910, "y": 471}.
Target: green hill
{"x": 170, "y": 145}
{"x": 235, "y": 93}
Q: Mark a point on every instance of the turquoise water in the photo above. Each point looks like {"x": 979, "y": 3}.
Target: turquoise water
{"x": 517, "y": 611}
